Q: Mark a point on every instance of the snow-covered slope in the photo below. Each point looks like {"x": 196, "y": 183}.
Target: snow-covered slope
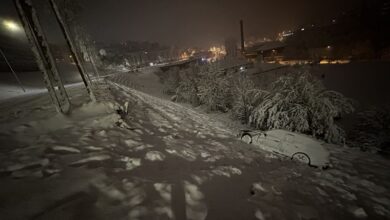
{"x": 163, "y": 160}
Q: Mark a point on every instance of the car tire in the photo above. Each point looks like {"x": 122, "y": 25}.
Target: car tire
{"x": 301, "y": 157}
{"x": 247, "y": 138}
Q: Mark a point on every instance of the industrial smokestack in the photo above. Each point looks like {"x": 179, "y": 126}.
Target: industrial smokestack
{"x": 242, "y": 36}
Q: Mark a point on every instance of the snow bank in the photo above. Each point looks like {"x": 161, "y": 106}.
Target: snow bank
{"x": 96, "y": 115}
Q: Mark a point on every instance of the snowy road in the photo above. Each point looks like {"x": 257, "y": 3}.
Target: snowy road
{"x": 167, "y": 161}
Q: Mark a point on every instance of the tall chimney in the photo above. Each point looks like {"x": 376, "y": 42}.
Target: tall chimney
{"x": 242, "y": 36}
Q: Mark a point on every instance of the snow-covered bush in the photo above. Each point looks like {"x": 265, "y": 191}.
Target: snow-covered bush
{"x": 245, "y": 98}
{"x": 301, "y": 103}
{"x": 170, "y": 80}
{"x": 187, "y": 89}
{"x": 215, "y": 91}
{"x": 372, "y": 130}
{"x": 202, "y": 86}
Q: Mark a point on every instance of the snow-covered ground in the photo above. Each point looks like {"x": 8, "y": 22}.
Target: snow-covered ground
{"x": 164, "y": 160}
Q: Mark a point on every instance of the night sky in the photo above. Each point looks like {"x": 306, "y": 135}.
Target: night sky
{"x": 196, "y": 22}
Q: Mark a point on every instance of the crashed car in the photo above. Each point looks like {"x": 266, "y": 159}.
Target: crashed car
{"x": 296, "y": 146}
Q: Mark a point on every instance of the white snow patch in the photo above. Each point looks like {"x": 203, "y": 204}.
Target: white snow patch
{"x": 259, "y": 215}
{"x": 164, "y": 190}
{"x": 164, "y": 210}
{"x": 65, "y": 149}
{"x": 154, "y": 156}
{"x": 131, "y": 143}
{"x": 383, "y": 201}
{"x": 199, "y": 180}
{"x": 131, "y": 163}
{"x": 380, "y": 210}
{"x": 213, "y": 158}
{"x": 227, "y": 171}
{"x": 195, "y": 209}
{"x": 164, "y": 206}
{"x": 204, "y": 154}
{"x": 171, "y": 151}
{"x": 92, "y": 159}
{"x": 258, "y": 187}
{"x": 142, "y": 147}
{"x": 322, "y": 192}
{"x": 93, "y": 148}
{"x": 109, "y": 191}
{"x": 162, "y": 130}
{"x": 359, "y": 213}
{"x": 102, "y": 133}
{"x": 20, "y": 166}
{"x": 137, "y": 212}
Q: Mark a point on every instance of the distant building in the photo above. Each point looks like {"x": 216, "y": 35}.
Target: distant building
{"x": 135, "y": 54}
{"x": 267, "y": 51}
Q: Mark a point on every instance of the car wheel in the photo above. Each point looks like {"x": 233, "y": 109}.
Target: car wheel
{"x": 247, "y": 138}
{"x": 301, "y": 157}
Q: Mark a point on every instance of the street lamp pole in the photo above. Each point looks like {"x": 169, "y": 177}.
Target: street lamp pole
{"x": 12, "y": 70}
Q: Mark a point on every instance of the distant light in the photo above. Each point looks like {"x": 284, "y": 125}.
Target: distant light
{"x": 324, "y": 62}
{"x": 329, "y": 47}
{"x": 334, "y": 21}
{"x": 242, "y": 68}
{"x": 11, "y": 26}
{"x": 302, "y": 29}
{"x": 151, "y": 64}
{"x": 203, "y": 59}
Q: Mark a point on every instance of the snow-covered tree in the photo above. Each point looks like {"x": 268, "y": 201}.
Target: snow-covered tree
{"x": 215, "y": 91}
{"x": 188, "y": 87}
{"x": 71, "y": 11}
{"x": 301, "y": 103}
{"x": 170, "y": 80}
{"x": 245, "y": 97}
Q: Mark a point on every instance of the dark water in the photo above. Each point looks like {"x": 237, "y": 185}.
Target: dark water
{"x": 366, "y": 82}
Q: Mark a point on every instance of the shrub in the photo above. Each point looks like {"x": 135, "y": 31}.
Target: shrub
{"x": 215, "y": 91}
{"x": 187, "y": 89}
{"x": 246, "y": 98}
{"x": 170, "y": 80}
{"x": 301, "y": 103}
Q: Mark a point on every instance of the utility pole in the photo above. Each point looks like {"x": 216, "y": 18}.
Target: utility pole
{"x": 242, "y": 36}
{"x": 12, "y": 70}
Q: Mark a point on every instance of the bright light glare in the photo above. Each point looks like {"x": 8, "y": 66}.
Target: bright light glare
{"x": 11, "y": 26}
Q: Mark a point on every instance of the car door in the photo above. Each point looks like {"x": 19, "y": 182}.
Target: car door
{"x": 287, "y": 146}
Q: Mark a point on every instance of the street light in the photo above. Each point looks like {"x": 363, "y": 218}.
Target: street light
{"x": 11, "y": 26}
